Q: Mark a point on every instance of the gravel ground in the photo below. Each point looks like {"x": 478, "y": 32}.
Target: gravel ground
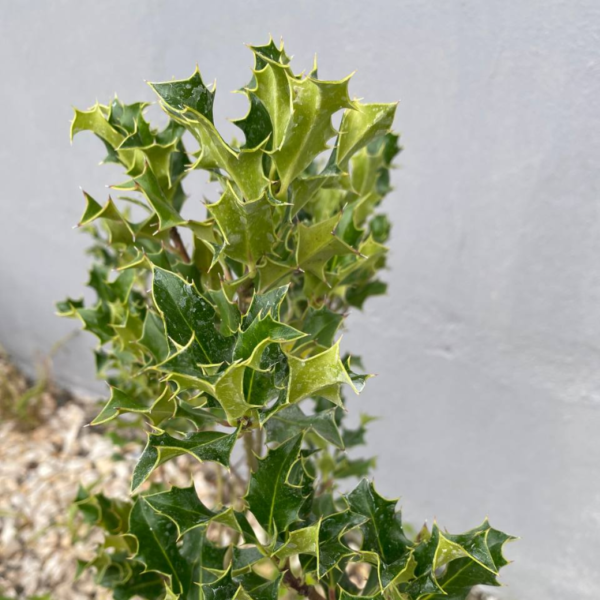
{"x": 43, "y": 459}
{"x": 39, "y": 474}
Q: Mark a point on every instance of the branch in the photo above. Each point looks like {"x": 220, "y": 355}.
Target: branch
{"x": 302, "y": 589}
{"x": 251, "y": 460}
{"x": 179, "y": 245}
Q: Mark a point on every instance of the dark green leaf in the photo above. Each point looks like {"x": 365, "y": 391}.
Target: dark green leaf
{"x": 182, "y": 506}
{"x": 203, "y": 445}
{"x": 272, "y": 500}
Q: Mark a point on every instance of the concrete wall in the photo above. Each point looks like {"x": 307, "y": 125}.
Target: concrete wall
{"x": 488, "y": 345}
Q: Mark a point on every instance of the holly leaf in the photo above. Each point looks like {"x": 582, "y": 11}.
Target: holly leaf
{"x": 268, "y": 303}
{"x": 228, "y": 311}
{"x": 259, "y": 588}
{"x": 449, "y": 565}
{"x": 256, "y": 125}
{"x": 154, "y": 337}
{"x": 189, "y": 102}
{"x": 303, "y": 541}
{"x": 182, "y": 506}
{"x": 356, "y": 295}
{"x": 119, "y": 402}
{"x": 148, "y": 183}
{"x": 261, "y": 332}
{"x": 291, "y": 421}
{"x": 94, "y": 120}
{"x": 250, "y": 586}
{"x": 247, "y": 227}
{"x": 244, "y": 558}
{"x": 321, "y": 325}
{"x": 97, "y": 320}
{"x": 120, "y": 230}
{"x": 316, "y": 375}
{"x": 383, "y": 534}
{"x": 361, "y": 126}
{"x": 202, "y": 445}
{"x": 206, "y": 562}
{"x": 156, "y": 538}
{"x": 273, "y": 501}
{"x": 225, "y": 588}
{"x": 332, "y": 548}
{"x": 271, "y": 86}
{"x": 187, "y": 93}
{"x": 317, "y": 244}
{"x": 357, "y": 467}
{"x": 344, "y": 595}
{"x": 187, "y": 314}
{"x": 303, "y": 189}
{"x": 309, "y": 126}
{"x": 147, "y": 585}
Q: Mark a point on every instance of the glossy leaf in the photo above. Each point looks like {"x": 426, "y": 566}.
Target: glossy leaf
{"x": 291, "y": 421}
{"x": 156, "y": 538}
{"x": 309, "y": 128}
{"x": 233, "y": 320}
{"x": 182, "y": 506}
{"x": 316, "y": 375}
{"x": 247, "y": 227}
{"x": 202, "y": 445}
{"x": 273, "y": 501}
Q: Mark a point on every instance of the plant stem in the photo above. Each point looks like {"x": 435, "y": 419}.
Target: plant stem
{"x": 179, "y": 245}
{"x": 258, "y": 442}
{"x": 219, "y": 485}
{"x": 249, "y": 448}
{"x": 301, "y": 588}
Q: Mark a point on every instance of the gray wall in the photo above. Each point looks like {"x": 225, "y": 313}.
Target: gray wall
{"x": 488, "y": 345}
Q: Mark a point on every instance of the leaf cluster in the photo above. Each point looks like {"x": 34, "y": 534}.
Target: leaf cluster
{"x": 232, "y": 335}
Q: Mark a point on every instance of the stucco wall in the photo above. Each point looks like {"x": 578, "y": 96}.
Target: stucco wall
{"x": 488, "y": 345}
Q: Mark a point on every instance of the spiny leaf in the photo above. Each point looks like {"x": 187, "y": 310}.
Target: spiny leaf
{"x": 244, "y": 558}
{"x": 188, "y": 314}
{"x": 147, "y": 585}
{"x": 203, "y": 445}
{"x": 187, "y": 93}
{"x": 182, "y": 506}
{"x": 167, "y": 215}
{"x": 206, "y": 561}
{"x": 291, "y": 421}
{"x": 321, "y": 325}
{"x": 382, "y": 533}
{"x": 261, "y": 332}
{"x": 154, "y": 337}
{"x": 228, "y": 311}
{"x": 119, "y": 402}
{"x": 121, "y": 232}
{"x": 468, "y": 559}
{"x": 309, "y": 126}
{"x": 94, "y": 120}
{"x": 361, "y": 126}
{"x": 303, "y": 189}
{"x": 244, "y": 167}
{"x": 247, "y": 227}
{"x": 332, "y": 547}
{"x": 272, "y": 89}
{"x": 301, "y": 541}
{"x": 156, "y": 537}
{"x": 273, "y": 501}
{"x": 265, "y": 304}
{"x": 256, "y": 125}
{"x": 317, "y": 244}
{"x": 315, "y": 375}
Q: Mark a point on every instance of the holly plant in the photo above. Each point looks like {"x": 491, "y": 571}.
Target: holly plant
{"x": 219, "y": 339}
